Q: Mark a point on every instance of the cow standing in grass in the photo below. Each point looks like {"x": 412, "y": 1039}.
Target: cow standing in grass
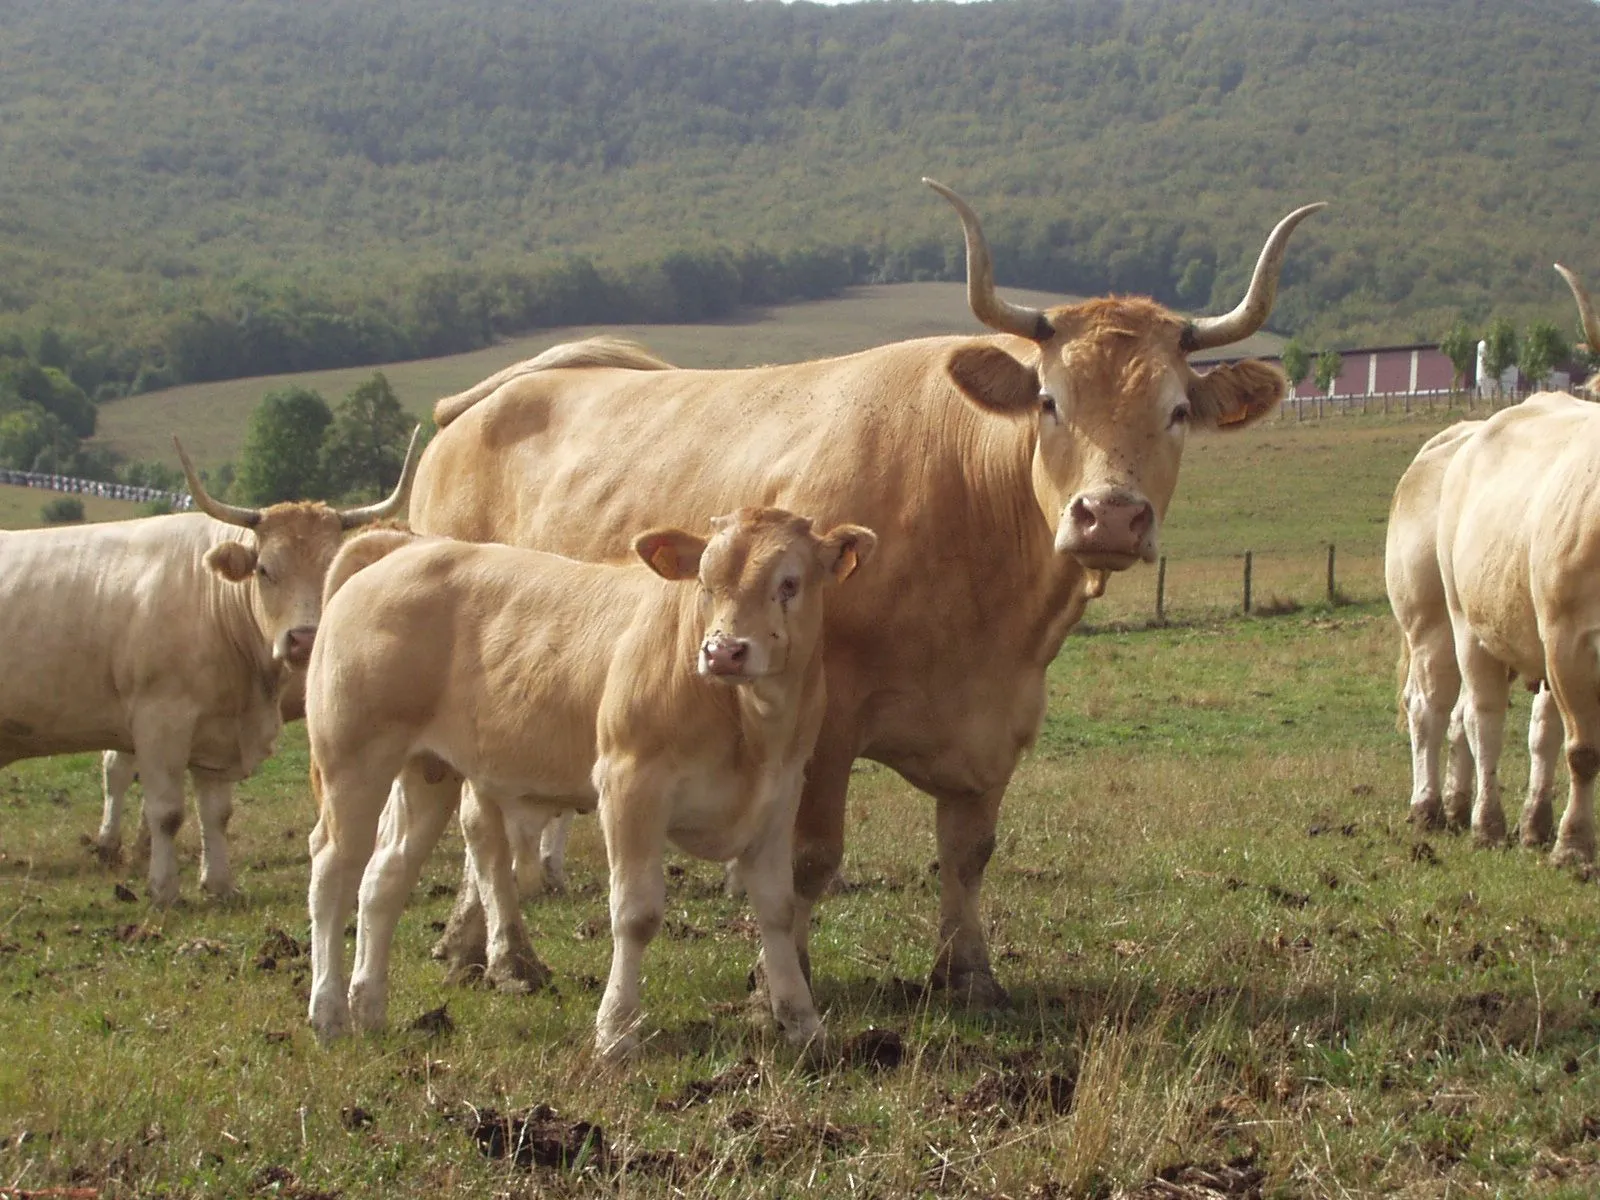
{"x": 1005, "y": 475}
{"x": 681, "y": 712}
{"x": 1519, "y": 552}
{"x": 170, "y": 638}
{"x": 1430, "y": 678}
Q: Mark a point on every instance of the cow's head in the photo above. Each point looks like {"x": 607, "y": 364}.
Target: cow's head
{"x": 762, "y": 574}
{"x": 1591, "y": 326}
{"x": 1113, "y": 396}
{"x": 282, "y": 567}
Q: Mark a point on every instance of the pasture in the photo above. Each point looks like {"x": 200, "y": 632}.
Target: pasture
{"x": 1235, "y": 970}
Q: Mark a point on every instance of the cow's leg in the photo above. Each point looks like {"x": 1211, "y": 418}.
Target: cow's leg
{"x": 512, "y": 965}
{"x": 526, "y": 825}
{"x": 766, "y": 869}
{"x": 413, "y": 820}
{"x": 1545, "y": 737}
{"x": 966, "y": 827}
{"x": 1575, "y": 678}
{"x": 163, "y": 814}
{"x": 1458, "y": 774}
{"x": 553, "y": 852}
{"x": 214, "y": 799}
{"x": 634, "y": 822}
{"x": 118, "y": 769}
{"x": 819, "y": 830}
{"x": 351, "y": 804}
{"x": 1432, "y": 685}
{"x": 464, "y": 944}
{"x": 1484, "y": 709}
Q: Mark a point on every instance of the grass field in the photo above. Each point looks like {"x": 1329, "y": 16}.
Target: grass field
{"x": 1235, "y": 970}
{"x": 211, "y": 417}
{"x": 19, "y": 507}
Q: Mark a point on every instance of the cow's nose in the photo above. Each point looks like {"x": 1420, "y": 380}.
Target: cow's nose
{"x": 724, "y": 655}
{"x": 1113, "y": 522}
{"x": 297, "y": 645}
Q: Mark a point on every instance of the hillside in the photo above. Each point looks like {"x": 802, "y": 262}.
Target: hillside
{"x": 398, "y": 170}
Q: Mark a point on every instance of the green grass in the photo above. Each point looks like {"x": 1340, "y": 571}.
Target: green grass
{"x": 19, "y": 507}
{"x": 1205, "y": 902}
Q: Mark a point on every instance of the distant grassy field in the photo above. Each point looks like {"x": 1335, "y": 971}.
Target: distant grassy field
{"x": 211, "y": 417}
{"x": 19, "y": 507}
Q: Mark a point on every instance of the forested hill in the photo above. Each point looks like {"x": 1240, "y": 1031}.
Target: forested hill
{"x": 183, "y": 181}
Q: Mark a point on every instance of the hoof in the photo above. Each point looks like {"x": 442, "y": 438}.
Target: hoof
{"x": 1490, "y": 832}
{"x": 460, "y": 959}
{"x": 617, "y": 1048}
{"x": 974, "y": 989}
{"x": 522, "y": 975}
{"x": 1570, "y": 854}
{"x": 222, "y": 893}
{"x": 1427, "y": 816}
{"x": 108, "y": 854}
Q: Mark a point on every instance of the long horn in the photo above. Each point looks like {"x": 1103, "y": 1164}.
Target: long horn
{"x": 1252, "y": 312}
{"x": 230, "y": 513}
{"x": 1591, "y": 323}
{"x": 994, "y": 312}
{"x": 351, "y": 517}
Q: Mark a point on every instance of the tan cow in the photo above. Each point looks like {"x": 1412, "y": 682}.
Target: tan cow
{"x": 1519, "y": 550}
{"x": 169, "y": 638}
{"x": 1430, "y": 678}
{"x": 1003, "y": 473}
{"x": 679, "y": 712}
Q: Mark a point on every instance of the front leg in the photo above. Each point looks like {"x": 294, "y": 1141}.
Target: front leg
{"x": 118, "y": 769}
{"x": 766, "y": 869}
{"x": 633, "y": 820}
{"x": 214, "y": 799}
{"x": 966, "y": 828}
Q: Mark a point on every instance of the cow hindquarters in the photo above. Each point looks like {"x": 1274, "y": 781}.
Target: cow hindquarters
{"x": 966, "y": 830}
{"x": 1574, "y": 676}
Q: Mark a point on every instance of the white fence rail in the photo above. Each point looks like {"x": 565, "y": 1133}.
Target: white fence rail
{"x": 180, "y": 501}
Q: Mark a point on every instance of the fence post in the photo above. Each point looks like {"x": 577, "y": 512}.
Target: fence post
{"x": 1161, "y": 591}
{"x": 1247, "y": 582}
{"x": 1332, "y": 591}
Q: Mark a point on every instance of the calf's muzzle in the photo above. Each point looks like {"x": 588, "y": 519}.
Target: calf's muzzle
{"x": 294, "y": 645}
{"x": 723, "y": 656}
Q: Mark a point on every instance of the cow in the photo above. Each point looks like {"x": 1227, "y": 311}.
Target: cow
{"x": 1429, "y": 677}
{"x": 548, "y": 684}
{"x": 169, "y": 638}
{"x": 1006, "y": 475}
{"x": 1519, "y": 547}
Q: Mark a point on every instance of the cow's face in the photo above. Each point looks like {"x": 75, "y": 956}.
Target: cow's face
{"x": 1113, "y": 399}
{"x": 762, "y": 575}
{"x": 283, "y": 573}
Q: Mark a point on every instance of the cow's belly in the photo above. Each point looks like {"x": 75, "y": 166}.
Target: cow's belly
{"x": 1500, "y": 613}
{"x": 231, "y": 748}
{"x": 20, "y": 738}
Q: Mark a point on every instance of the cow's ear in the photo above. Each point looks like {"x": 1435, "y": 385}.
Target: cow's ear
{"x": 1237, "y": 394}
{"x": 671, "y": 553}
{"x": 844, "y": 549}
{"x": 234, "y": 561}
{"x": 993, "y": 380}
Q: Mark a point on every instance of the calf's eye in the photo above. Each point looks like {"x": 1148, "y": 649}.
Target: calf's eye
{"x": 1180, "y": 415}
{"x": 788, "y": 590}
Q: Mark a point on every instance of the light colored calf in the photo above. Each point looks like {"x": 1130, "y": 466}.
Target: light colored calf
{"x": 1430, "y": 678}
{"x": 548, "y": 684}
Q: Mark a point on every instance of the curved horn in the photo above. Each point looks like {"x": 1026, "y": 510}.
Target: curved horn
{"x": 994, "y": 312}
{"x": 351, "y": 517}
{"x": 1252, "y": 311}
{"x": 1591, "y": 323}
{"x": 232, "y": 514}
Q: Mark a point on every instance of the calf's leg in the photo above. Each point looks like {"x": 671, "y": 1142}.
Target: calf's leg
{"x": 553, "y": 852}
{"x": 1545, "y": 737}
{"x": 634, "y": 823}
{"x": 350, "y": 804}
{"x": 214, "y": 799}
{"x": 413, "y": 819}
{"x": 767, "y": 871}
{"x": 512, "y": 965}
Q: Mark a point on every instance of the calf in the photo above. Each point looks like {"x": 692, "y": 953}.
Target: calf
{"x": 547, "y": 684}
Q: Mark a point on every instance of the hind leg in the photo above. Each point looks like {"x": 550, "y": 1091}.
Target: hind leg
{"x": 512, "y": 964}
{"x": 413, "y": 820}
{"x": 553, "y": 851}
{"x": 118, "y": 770}
{"x": 1545, "y": 738}
{"x": 1432, "y": 685}
{"x": 1575, "y": 678}
{"x": 1458, "y": 772}
{"x": 1484, "y": 709}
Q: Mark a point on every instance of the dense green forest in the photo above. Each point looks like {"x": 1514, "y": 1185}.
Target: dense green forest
{"x": 192, "y": 189}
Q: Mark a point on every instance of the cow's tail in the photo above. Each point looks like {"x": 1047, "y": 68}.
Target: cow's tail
{"x": 1401, "y": 673}
{"x": 591, "y": 352}
{"x": 361, "y": 551}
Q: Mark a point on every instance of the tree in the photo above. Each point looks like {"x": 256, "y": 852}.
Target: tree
{"x": 1296, "y": 361}
{"x": 362, "y": 451}
{"x": 1329, "y": 364}
{"x": 282, "y": 454}
{"x": 1460, "y": 346}
{"x": 62, "y": 511}
{"x": 34, "y": 440}
{"x": 1501, "y": 352}
{"x": 1542, "y": 348}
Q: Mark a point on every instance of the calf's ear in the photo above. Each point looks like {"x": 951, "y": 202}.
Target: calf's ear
{"x": 1237, "y": 394}
{"x": 234, "y": 561}
{"x": 994, "y": 381}
{"x": 844, "y": 548}
{"x": 670, "y": 553}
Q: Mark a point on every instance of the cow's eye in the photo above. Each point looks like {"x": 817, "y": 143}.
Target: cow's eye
{"x": 262, "y": 573}
{"x": 1180, "y": 415}
{"x": 1047, "y": 405}
{"x": 788, "y": 590}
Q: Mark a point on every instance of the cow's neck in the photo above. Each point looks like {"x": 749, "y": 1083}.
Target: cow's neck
{"x": 233, "y": 613}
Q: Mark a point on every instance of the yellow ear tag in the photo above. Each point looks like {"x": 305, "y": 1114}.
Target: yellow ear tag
{"x": 665, "y": 561}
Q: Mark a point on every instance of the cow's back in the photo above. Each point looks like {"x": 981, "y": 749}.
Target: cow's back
{"x": 581, "y": 462}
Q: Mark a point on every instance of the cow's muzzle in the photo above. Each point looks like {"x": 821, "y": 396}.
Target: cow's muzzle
{"x": 294, "y": 645}
{"x": 726, "y": 658}
{"x": 1108, "y": 530}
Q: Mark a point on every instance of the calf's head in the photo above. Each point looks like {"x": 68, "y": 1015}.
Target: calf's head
{"x": 762, "y": 574}
{"x": 1111, "y": 392}
{"x": 281, "y": 567}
